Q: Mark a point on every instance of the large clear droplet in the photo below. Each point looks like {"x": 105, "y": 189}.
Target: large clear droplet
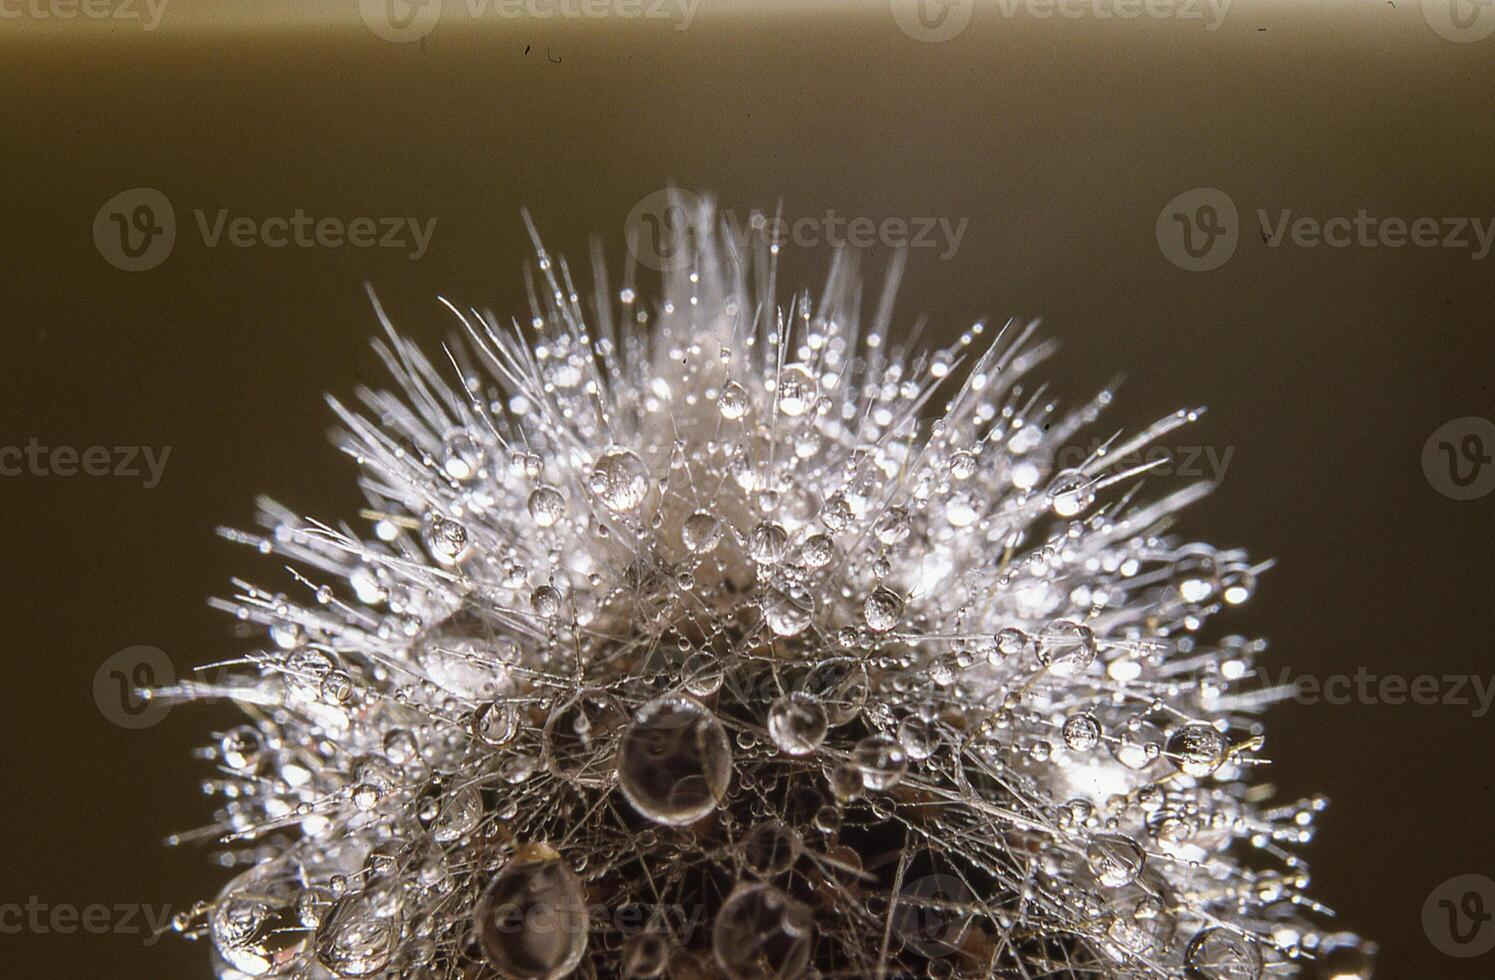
{"x": 733, "y": 401}
{"x": 797, "y": 391}
{"x": 358, "y": 935}
{"x": 1066, "y": 648}
{"x": 762, "y": 934}
{"x": 840, "y": 686}
{"x": 1343, "y": 956}
{"x": 918, "y": 737}
{"x": 1218, "y": 954}
{"x": 1081, "y": 732}
{"x": 532, "y": 918}
{"x": 770, "y": 848}
{"x": 702, "y": 673}
{"x": 882, "y": 609}
{"x": 447, "y": 540}
{"x": 1071, "y": 493}
{"x": 578, "y": 740}
{"x": 700, "y": 532}
{"x": 547, "y": 506}
{"x": 767, "y": 543}
{"x": 256, "y": 925}
{"x": 1115, "y": 859}
{"x": 788, "y": 611}
{"x": 881, "y": 761}
{"x": 797, "y": 723}
{"x": 496, "y": 723}
{"x": 1197, "y": 750}
{"x": 674, "y": 761}
{"x": 621, "y": 479}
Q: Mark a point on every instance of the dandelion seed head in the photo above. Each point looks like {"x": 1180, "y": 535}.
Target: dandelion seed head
{"x": 728, "y": 637}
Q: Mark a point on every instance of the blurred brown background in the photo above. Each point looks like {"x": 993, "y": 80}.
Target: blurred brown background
{"x": 1058, "y": 141}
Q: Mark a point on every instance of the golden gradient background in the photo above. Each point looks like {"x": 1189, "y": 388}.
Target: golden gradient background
{"x": 1058, "y": 140}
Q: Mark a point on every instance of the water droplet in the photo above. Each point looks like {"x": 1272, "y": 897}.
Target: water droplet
{"x": 532, "y": 918}
{"x": 547, "y": 506}
{"x": 817, "y": 551}
{"x": 1218, "y": 954}
{"x": 674, "y": 761}
{"x": 1012, "y": 641}
{"x": 836, "y": 513}
{"x": 621, "y": 479}
{"x": 798, "y": 390}
{"x": 840, "y": 687}
{"x": 894, "y": 526}
{"x": 546, "y": 601}
{"x": 1115, "y": 859}
{"x": 447, "y": 540}
{"x": 882, "y": 609}
{"x": 797, "y": 723}
{"x": 578, "y": 740}
{"x": 241, "y": 748}
{"x": 358, "y": 935}
{"x": 1070, "y": 493}
{"x": 700, "y": 532}
{"x": 918, "y": 737}
{"x": 788, "y": 611}
{"x": 769, "y": 848}
{"x": 702, "y": 674}
{"x": 733, "y": 401}
{"x": 881, "y": 761}
{"x": 762, "y": 934}
{"x": 1197, "y": 750}
{"x": 1081, "y": 732}
{"x": 1237, "y": 584}
{"x": 464, "y": 456}
{"x": 1066, "y": 648}
{"x": 962, "y": 464}
{"x": 255, "y": 924}
{"x": 767, "y": 543}
{"x": 496, "y": 723}
{"x": 1343, "y": 956}
{"x": 1138, "y": 746}
{"x": 845, "y": 782}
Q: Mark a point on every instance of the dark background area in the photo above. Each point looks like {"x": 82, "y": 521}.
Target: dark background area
{"x": 1325, "y": 370}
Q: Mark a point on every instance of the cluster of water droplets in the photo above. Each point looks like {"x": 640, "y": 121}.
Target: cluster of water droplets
{"x": 683, "y": 643}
